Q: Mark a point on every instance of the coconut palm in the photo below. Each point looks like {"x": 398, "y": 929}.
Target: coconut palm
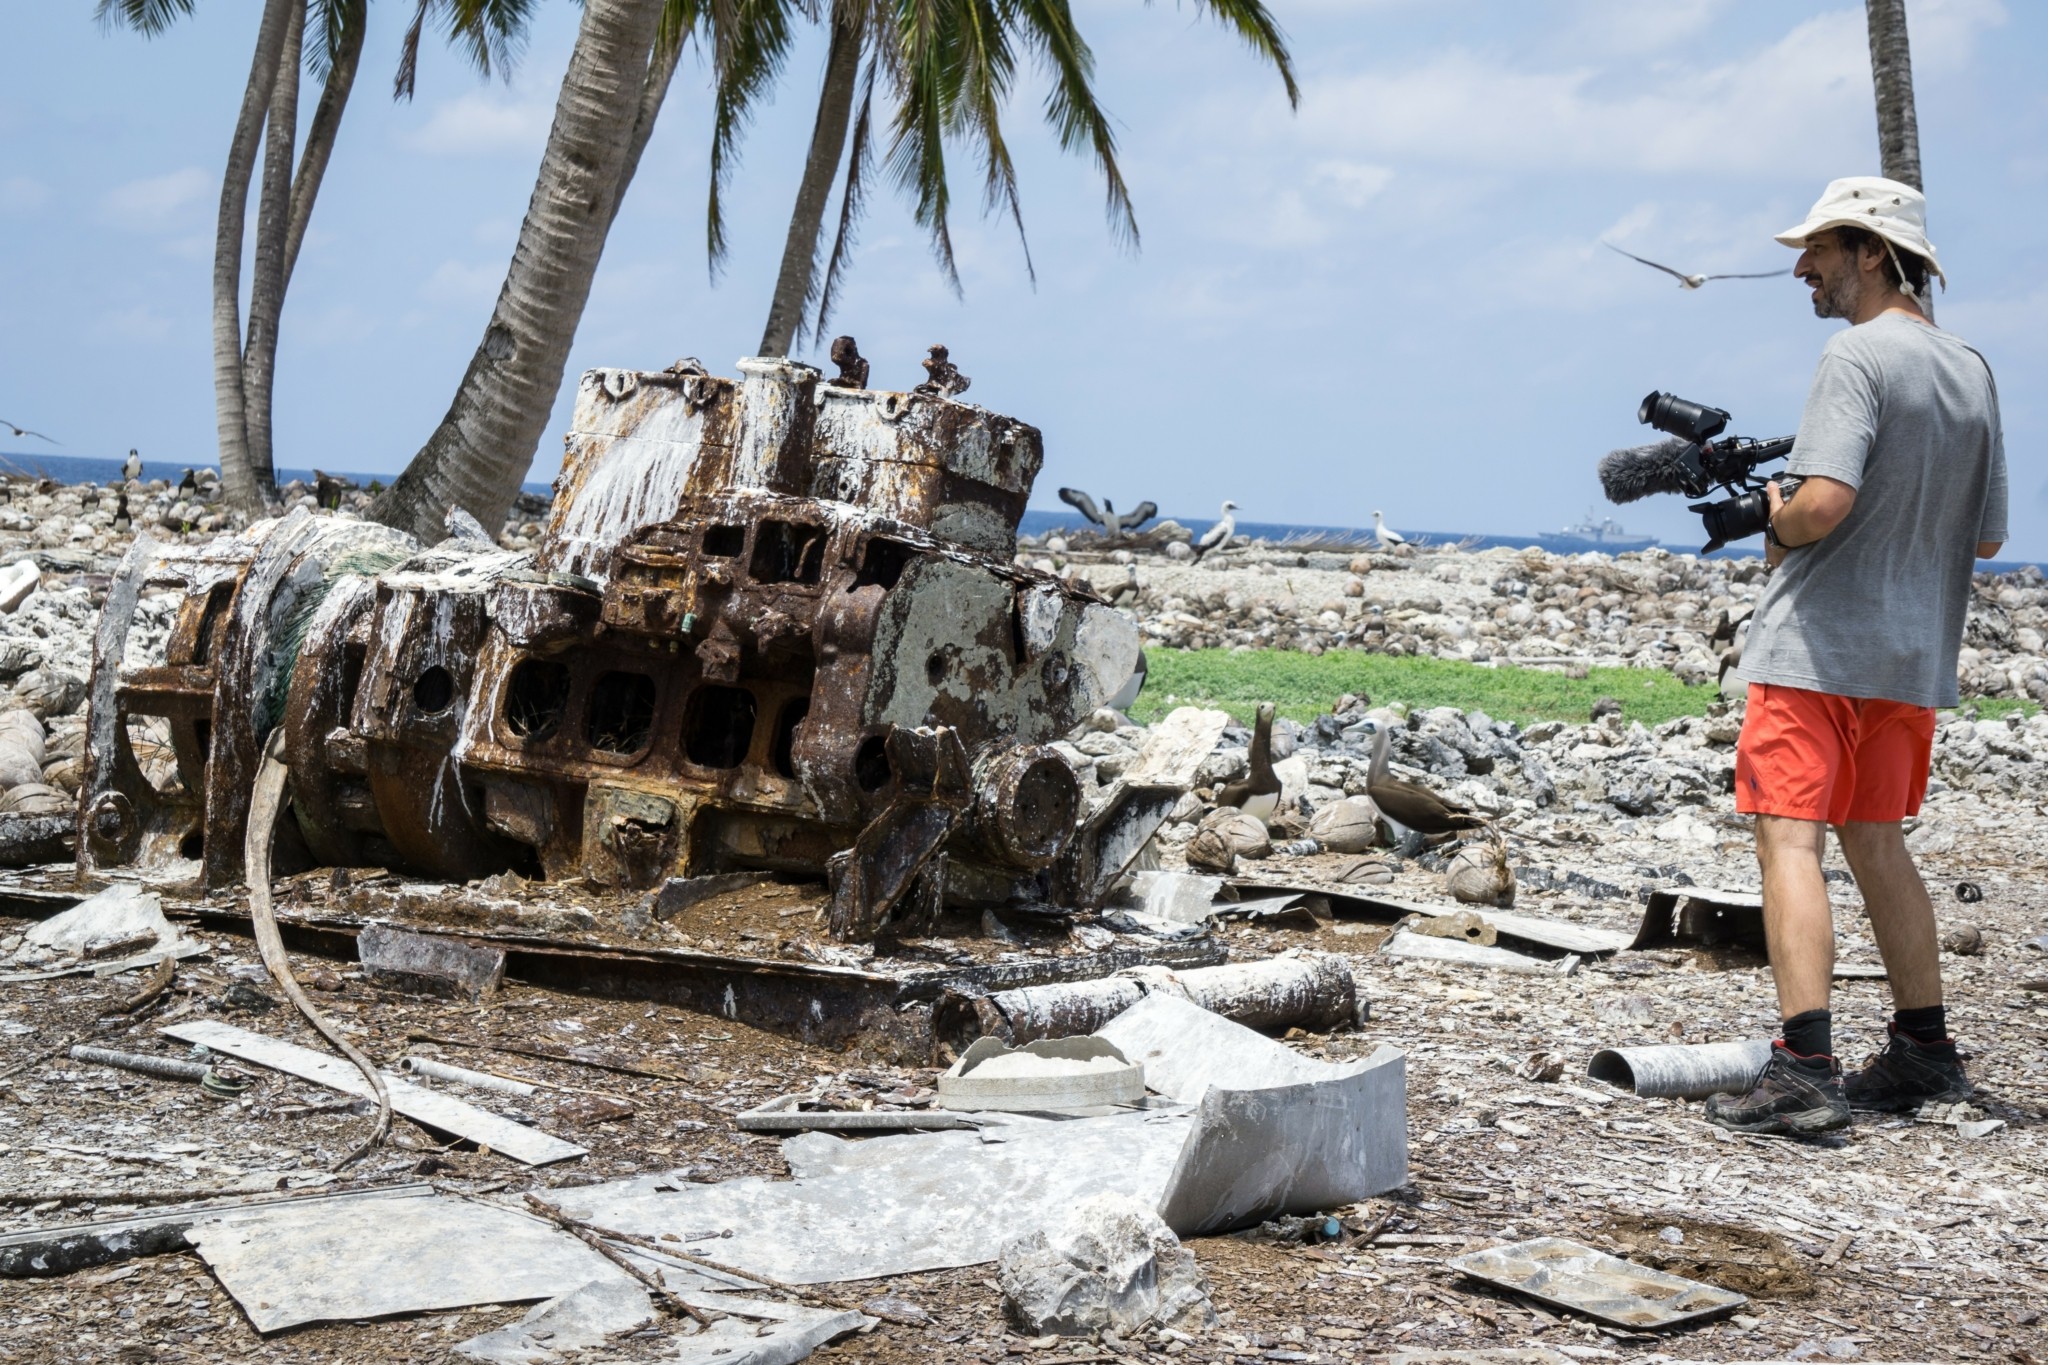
{"x": 1891, "y": 70}
{"x": 618, "y": 75}
{"x": 325, "y": 36}
{"x": 947, "y": 67}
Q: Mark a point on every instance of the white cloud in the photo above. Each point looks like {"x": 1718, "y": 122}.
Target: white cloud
{"x": 149, "y": 204}
{"x": 21, "y": 195}
{"x": 1352, "y": 183}
{"x": 461, "y": 282}
{"x": 1794, "y": 106}
{"x": 481, "y": 124}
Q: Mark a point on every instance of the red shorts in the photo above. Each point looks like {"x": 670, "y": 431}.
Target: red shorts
{"x": 1842, "y": 760}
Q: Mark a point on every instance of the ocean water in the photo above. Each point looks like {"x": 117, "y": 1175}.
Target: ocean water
{"x": 82, "y": 469}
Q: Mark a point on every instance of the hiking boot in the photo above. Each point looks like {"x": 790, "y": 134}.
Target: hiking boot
{"x": 1793, "y": 1096}
{"x": 1908, "y": 1074}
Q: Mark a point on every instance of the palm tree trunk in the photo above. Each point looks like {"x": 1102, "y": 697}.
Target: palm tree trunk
{"x": 796, "y": 283}
{"x": 273, "y": 224}
{"x": 343, "y": 62}
{"x": 230, "y": 409}
{"x": 477, "y": 456}
{"x": 1891, "y": 70}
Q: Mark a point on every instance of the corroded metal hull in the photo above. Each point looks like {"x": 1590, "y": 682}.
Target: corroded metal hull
{"x": 772, "y": 623}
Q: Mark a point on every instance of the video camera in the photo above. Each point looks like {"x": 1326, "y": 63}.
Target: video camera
{"x": 1693, "y": 462}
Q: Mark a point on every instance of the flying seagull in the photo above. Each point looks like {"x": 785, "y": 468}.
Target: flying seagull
{"x": 1218, "y": 536}
{"x": 24, "y": 431}
{"x": 1686, "y": 281}
{"x": 1108, "y": 518}
{"x": 1387, "y": 537}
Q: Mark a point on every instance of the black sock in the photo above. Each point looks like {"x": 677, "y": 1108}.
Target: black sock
{"x": 1811, "y": 1034}
{"x": 1928, "y": 1024}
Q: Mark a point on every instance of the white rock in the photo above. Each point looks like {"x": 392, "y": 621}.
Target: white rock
{"x": 1111, "y": 1266}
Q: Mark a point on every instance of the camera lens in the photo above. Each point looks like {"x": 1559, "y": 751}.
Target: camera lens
{"x": 1736, "y": 518}
{"x": 1675, "y": 416}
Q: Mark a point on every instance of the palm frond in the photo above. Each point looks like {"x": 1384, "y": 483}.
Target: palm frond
{"x": 986, "y": 67}
{"x": 753, "y": 42}
{"x": 1071, "y": 107}
{"x": 1256, "y": 25}
{"x": 926, "y": 91}
{"x": 147, "y": 17}
{"x": 328, "y": 28}
{"x": 491, "y": 33}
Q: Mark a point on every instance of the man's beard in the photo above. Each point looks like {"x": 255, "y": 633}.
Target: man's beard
{"x": 1839, "y": 296}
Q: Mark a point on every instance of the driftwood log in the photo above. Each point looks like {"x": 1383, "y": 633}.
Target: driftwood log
{"x": 1311, "y": 991}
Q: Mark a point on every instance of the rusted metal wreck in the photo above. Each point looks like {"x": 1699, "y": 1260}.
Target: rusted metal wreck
{"x": 773, "y": 623}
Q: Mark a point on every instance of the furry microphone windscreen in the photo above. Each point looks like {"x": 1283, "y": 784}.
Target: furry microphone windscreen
{"x": 1638, "y": 471}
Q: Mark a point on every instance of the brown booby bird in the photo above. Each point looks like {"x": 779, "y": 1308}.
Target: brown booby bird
{"x": 1259, "y": 794}
{"x": 1408, "y": 806}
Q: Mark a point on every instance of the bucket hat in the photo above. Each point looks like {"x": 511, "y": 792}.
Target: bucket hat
{"x": 1896, "y": 213}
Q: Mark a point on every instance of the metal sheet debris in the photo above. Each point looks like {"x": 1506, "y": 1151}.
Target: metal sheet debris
{"x": 444, "y": 1112}
{"x": 926, "y": 1201}
{"x": 1703, "y": 917}
{"x": 1427, "y": 948}
{"x": 1681, "y": 1071}
{"x": 292, "y": 1264}
{"x": 1275, "y": 1132}
{"x": 1530, "y": 929}
{"x": 78, "y": 1246}
{"x": 1570, "y": 1275}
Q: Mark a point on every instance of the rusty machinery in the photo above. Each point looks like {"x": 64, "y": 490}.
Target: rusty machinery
{"x": 771, "y": 623}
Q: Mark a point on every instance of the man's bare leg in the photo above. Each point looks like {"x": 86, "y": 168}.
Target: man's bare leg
{"x": 1901, "y": 914}
{"x": 1799, "y": 925}
{"x": 1800, "y": 1090}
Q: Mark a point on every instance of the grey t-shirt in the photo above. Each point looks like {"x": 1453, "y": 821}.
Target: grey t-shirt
{"x": 1907, "y": 415}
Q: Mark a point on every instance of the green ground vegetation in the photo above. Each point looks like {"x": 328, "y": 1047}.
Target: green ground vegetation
{"x": 1304, "y": 686}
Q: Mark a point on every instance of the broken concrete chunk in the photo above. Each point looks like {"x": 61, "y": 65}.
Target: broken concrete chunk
{"x": 1111, "y": 1266}
{"x": 426, "y": 964}
{"x": 585, "y": 1316}
{"x": 1052, "y": 1074}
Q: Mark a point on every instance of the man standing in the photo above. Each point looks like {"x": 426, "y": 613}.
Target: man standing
{"x": 1854, "y": 643}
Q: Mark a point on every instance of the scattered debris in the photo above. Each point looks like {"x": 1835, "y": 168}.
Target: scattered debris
{"x": 118, "y": 929}
{"x": 1570, "y": 1275}
{"x": 1110, "y": 1266}
{"x": 784, "y": 1115}
{"x": 1681, "y": 1071}
{"x": 436, "y": 1110}
{"x": 1310, "y": 990}
{"x": 1404, "y": 943}
{"x": 429, "y": 964}
{"x": 1962, "y": 939}
{"x": 1048, "y": 1075}
{"x": 167, "y": 1068}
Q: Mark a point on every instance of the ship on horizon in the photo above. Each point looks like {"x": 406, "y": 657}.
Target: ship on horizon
{"x": 1605, "y": 534}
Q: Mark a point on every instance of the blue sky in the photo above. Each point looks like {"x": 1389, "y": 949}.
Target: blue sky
{"x": 1394, "y": 298}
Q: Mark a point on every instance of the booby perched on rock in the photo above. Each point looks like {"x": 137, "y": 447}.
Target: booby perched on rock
{"x": 1218, "y": 536}
{"x": 131, "y": 468}
{"x": 1387, "y": 539}
{"x": 1258, "y": 795}
{"x": 1108, "y": 518}
{"x": 1408, "y": 806}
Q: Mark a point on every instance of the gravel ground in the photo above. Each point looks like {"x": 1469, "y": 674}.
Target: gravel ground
{"x": 1899, "y": 1239}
